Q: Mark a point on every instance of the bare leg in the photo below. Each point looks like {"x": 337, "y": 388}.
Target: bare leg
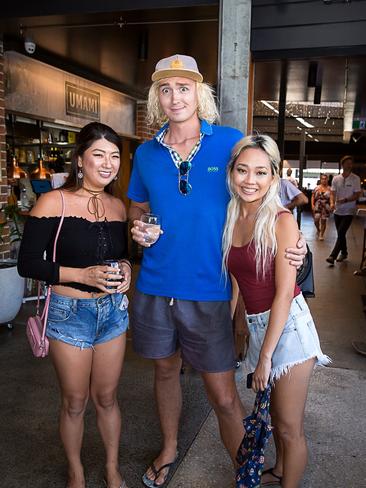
{"x": 73, "y": 368}
{"x": 317, "y": 222}
{"x": 278, "y": 467}
{"x": 288, "y": 406}
{"x": 223, "y": 396}
{"x": 169, "y": 402}
{"x": 323, "y": 225}
{"x": 106, "y": 370}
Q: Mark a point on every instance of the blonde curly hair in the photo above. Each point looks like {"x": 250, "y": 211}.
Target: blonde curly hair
{"x": 206, "y": 109}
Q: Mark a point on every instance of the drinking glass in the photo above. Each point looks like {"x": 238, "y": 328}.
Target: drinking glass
{"x": 151, "y": 228}
{"x": 114, "y": 264}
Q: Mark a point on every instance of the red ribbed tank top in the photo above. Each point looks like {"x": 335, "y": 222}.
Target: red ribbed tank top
{"x": 258, "y": 293}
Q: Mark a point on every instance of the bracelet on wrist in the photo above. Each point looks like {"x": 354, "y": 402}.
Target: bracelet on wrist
{"x": 126, "y": 262}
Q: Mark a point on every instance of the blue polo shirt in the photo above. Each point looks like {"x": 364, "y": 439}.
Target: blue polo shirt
{"x": 185, "y": 262}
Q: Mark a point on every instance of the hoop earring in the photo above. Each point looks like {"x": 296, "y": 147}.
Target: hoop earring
{"x": 80, "y": 174}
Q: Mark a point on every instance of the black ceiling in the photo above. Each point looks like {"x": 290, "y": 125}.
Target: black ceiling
{"x": 108, "y": 44}
{"x": 45, "y": 7}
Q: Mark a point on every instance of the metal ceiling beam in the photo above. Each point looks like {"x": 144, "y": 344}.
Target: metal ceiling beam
{"x": 45, "y": 7}
{"x": 117, "y": 23}
{"x": 318, "y": 52}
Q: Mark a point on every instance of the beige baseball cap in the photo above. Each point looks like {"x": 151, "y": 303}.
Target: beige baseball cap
{"x": 177, "y": 65}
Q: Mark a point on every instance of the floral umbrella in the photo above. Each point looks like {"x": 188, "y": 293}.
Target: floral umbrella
{"x": 257, "y": 431}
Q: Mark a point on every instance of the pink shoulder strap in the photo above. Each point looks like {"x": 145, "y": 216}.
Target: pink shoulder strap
{"x": 46, "y": 305}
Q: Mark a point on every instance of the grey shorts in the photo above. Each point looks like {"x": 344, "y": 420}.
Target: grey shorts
{"x": 202, "y": 330}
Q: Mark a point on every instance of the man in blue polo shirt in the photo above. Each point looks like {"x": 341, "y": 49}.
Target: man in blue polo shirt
{"x": 181, "y": 303}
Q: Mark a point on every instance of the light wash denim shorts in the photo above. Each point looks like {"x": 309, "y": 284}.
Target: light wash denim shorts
{"x": 86, "y": 322}
{"x": 299, "y": 340}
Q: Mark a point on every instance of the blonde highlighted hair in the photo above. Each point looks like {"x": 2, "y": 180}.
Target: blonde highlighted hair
{"x": 264, "y": 235}
{"x": 206, "y": 109}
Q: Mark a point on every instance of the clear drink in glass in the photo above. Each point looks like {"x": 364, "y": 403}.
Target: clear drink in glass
{"x": 152, "y": 226}
{"x": 113, "y": 264}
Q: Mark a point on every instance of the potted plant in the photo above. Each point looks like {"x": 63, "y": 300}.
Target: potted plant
{"x": 11, "y": 284}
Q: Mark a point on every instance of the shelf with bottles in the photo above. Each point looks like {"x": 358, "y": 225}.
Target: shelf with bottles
{"x": 29, "y": 144}
{"x": 55, "y": 134}
{"x": 31, "y": 140}
{"x": 60, "y": 146}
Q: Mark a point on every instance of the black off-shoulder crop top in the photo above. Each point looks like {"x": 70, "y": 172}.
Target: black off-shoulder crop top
{"x": 81, "y": 243}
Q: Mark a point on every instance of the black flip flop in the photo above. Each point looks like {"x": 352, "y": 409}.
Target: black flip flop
{"x": 277, "y": 481}
{"x": 151, "y": 483}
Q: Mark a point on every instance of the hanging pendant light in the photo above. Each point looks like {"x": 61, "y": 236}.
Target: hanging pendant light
{"x": 18, "y": 172}
{"x": 41, "y": 173}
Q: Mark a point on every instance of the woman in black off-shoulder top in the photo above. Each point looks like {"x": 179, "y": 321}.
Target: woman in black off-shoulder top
{"x": 87, "y": 320}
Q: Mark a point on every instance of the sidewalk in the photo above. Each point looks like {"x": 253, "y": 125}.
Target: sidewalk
{"x": 335, "y": 420}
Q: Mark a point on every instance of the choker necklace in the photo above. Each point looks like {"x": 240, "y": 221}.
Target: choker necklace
{"x": 95, "y": 204}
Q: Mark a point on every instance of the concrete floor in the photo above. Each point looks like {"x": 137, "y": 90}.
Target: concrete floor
{"x": 31, "y": 455}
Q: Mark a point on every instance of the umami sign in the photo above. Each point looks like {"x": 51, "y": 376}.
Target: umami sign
{"x": 82, "y": 102}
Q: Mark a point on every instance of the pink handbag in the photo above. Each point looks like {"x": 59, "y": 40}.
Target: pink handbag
{"x": 36, "y": 325}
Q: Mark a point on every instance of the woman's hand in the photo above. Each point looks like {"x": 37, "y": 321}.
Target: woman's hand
{"x": 127, "y": 273}
{"x": 297, "y": 254}
{"x": 102, "y": 276}
{"x": 138, "y": 234}
{"x": 261, "y": 374}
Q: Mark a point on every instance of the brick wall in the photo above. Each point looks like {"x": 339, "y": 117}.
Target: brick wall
{"x": 4, "y": 243}
{"x": 142, "y": 129}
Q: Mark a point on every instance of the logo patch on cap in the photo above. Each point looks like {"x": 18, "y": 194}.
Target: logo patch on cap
{"x": 177, "y": 64}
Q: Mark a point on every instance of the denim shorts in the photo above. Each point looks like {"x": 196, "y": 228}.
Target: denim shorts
{"x": 299, "y": 340}
{"x": 201, "y": 330}
{"x": 86, "y": 322}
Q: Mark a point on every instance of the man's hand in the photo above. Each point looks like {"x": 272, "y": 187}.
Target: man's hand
{"x": 341, "y": 200}
{"x": 297, "y": 254}
{"x": 138, "y": 233}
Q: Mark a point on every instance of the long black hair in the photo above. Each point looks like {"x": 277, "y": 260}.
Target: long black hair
{"x": 87, "y": 136}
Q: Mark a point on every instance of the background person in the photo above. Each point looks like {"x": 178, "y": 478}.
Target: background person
{"x": 87, "y": 321}
{"x": 322, "y": 204}
{"x": 291, "y": 196}
{"x": 181, "y": 302}
{"x": 283, "y": 342}
{"x": 346, "y": 189}
{"x": 290, "y": 178}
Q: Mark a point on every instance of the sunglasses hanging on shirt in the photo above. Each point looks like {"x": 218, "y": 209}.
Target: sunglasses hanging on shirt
{"x": 184, "y": 186}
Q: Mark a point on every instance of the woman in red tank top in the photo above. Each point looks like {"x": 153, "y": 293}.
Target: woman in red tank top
{"x": 283, "y": 344}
